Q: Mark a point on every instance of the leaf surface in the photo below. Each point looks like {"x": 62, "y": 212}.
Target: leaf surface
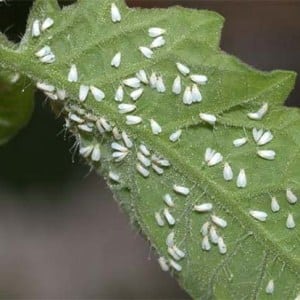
{"x": 257, "y": 252}
{"x": 16, "y": 104}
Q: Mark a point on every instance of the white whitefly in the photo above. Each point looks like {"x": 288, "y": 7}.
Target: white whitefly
{"x": 156, "y": 31}
{"x": 172, "y": 253}
{"x": 52, "y": 96}
{"x": 142, "y": 76}
{"x": 119, "y": 94}
{"x": 219, "y": 221}
{"x": 205, "y": 228}
{"x": 127, "y": 141}
{"x": 179, "y": 252}
{"x": 46, "y": 50}
{"x": 216, "y": 159}
{"x": 118, "y": 147}
{"x": 156, "y": 160}
{"x": 132, "y": 82}
{"x": 240, "y": 142}
{"x": 133, "y": 120}
{"x": 267, "y": 154}
{"x": 157, "y": 169}
{"x": 83, "y": 92}
{"x": 258, "y": 215}
{"x": 182, "y": 190}
{"x": 116, "y": 60}
{"x": 260, "y": 113}
{"x": 196, "y": 95}
{"x": 116, "y": 133}
{"x": 205, "y": 244}
{"x": 209, "y": 153}
{"x": 163, "y": 264}
{"x": 99, "y": 127}
{"x": 143, "y": 171}
{"x": 222, "y": 246}
{"x": 161, "y": 161}
{"x": 125, "y": 108}
{"x": 147, "y": 52}
{"x": 176, "y": 266}
{"x": 158, "y": 42}
{"x": 265, "y": 138}
{"x": 143, "y": 159}
{"x": 97, "y": 93}
{"x": 86, "y": 151}
{"x": 144, "y": 150}
{"x": 176, "y": 87}
{"x": 136, "y": 94}
{"x": 170, "y": 239}
{"x": 227, "y": 172}
{"x": 168, "y": 200}
{"x": 213, "y": 235}
{"x": 275, "y": 207}
{"x": 35, "y": 32}
{"x": 47, "y": 23}
{"x": 14, "y": 78}
{"x": 45, "y": 87}
{"x": 187, "y": 96}
{"x": 199, "y": 79}
{"x": 290, "y": 196}
{"x": 159, "y": 220}
{"x": 96, "y": 154}
{"x": 290, "y": 222}
{"x": 241, "y": 181}
{"x": 160, "y": 86}
{"x": 114, "y": 176}
{"x": 174, "y": 137}
{"x": 119, "y": 156}
{"x": 85, "y": 127}
{"x": 115, "y": 13}
{"x": 208, "y": 118}
{"x": 79, "y": 110}
{"x": 183, "y": 69}
{"x": 153, "y": 80}
{"x": 155, "y": 127}
{"x": 204, "y": 207}
{"x": 270, "y": 287}
{"x": 73, "y": 74}
{"x": 257, "y": 133}
{"x": 253, "y": 116}
{"x": 75, "y": 118}
{"x": 169, "y": 217}
{"x": 61, "y": 94}
{"x": 89, "y": 116}
{"x": 105, "y": 124}
{"x": 48, "y": 59}
{"x": 263, "y": 110}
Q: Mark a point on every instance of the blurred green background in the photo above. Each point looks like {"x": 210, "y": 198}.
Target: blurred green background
{"x": 62, "y": 236}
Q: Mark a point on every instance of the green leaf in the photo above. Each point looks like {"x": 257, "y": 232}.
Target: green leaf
{"x": 257, "y": 252}
{"x": 16, "y": 104}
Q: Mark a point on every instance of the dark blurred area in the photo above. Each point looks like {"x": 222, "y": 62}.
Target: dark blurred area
{"x": 62, "y": 236}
